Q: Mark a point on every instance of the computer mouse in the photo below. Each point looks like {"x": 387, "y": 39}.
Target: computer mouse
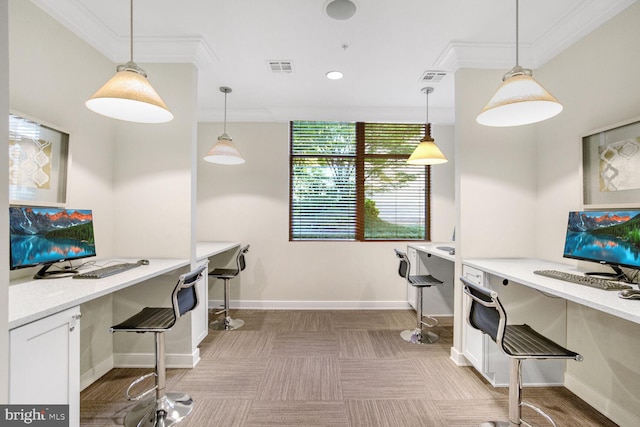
{"x": 629, "y": 294}
{"x": 143, "y": 262}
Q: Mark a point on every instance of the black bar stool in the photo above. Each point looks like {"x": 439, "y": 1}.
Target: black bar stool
{"x": 227, "y": 323}
{"x": 418, "y": 335}
{"x": 518, "y": 342}
{"x": 165, "y": 409}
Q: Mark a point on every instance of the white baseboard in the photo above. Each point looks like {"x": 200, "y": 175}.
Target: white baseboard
{"x": 202, "y": 336}
{"x": 601, "y": 402}
{"x": 148, "y": 360}
{"x": 313, "y": 305}
{"x": 89, "y": 377}
{"x": 458, "y": 358}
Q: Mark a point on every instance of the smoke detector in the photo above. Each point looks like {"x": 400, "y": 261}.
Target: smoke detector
{"x": 340, "y": 9}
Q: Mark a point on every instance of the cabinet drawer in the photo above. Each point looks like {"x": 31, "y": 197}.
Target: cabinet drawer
{"x": 474, "y": 275}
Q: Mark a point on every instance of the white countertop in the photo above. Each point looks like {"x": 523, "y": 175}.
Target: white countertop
{"x": 208, "y": 249}
{"x": 31, "y": 300}
{"x": 520, "y": 270}
{"x": 432, "y": 248}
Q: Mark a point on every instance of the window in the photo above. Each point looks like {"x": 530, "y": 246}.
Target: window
{"x": 350, "y": 181}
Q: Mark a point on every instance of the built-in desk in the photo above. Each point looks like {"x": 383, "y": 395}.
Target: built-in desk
{"x": 602, "y": 327}
{"x": 520, "y": 270}
{"x": 427, "y": 258}
{"x": 205, "y": 250}
{"x": 44, "y": 322}
{"x": 433, "y": 248}
{"x": 31, "y": 300}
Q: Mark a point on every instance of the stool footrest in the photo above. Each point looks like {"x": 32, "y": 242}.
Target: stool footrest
{"x": 144, "y": 393}
{"x": 434, "y": 322}
{"x": 539, "y": 411}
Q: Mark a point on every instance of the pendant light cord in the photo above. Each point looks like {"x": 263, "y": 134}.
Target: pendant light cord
{"x": 427, "y": 92}
{"x": 517, "y": 41}
{"x": 131, "y": 29}
{"x": 225, "y": 113}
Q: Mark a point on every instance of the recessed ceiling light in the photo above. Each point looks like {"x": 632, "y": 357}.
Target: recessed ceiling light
{"x": 334, "y": 75}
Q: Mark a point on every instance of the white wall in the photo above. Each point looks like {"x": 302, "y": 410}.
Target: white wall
{"x": 516, "y": 186}
{"x": 598, "y": 82}
{"x": 249, "y": 203}
{"x": 137, "y": 178}
{"x": 495, "y": 184}
{"x": 153, "y": 197}
{"x": 52, "y": 73}
{"x": 4, "y": 202}
{"x": 153, "y": 167}
{"x": 443, "y": 219}
{"x": 497, "y": 170}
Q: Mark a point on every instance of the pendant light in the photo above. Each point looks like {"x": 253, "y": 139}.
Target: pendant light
{"x": 128, "y": 95}
{"x": 520, "y": 100}
{"x": 223, "y": 151}
{"x": 427, "y": 152}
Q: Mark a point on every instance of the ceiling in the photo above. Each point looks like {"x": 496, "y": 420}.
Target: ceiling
{"x": 384, "y": 50}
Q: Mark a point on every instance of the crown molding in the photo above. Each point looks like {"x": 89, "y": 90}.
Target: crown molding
{"x": 75, "y": 16}
{"x": 166, "y": 50}
{"x": 439, "y": 116}
{"x": 458, "y": 55}
{"x": 579, "y": 22}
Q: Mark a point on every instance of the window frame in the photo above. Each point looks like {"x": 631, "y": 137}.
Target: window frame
{"x": 360, "y": 159}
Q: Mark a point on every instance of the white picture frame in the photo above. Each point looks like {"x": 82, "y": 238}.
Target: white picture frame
{"x": 611, "y": 166}
{"x": 38, "y": 162}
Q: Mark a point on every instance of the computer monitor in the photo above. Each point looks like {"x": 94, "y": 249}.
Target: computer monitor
{"x": 42, "y": 236}
{"x": 606, "y": 237}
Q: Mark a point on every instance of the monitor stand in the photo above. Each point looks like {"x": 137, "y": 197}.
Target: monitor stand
{"x": 618, "y": 275}
{"x": 55, "y": 274}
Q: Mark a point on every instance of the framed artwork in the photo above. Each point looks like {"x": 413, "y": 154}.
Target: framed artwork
{"x": 38, "y": 161}
{"x": 611, "y": 166}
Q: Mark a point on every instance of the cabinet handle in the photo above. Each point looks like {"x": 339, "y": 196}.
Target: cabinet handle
{"x": 74, "y": 321}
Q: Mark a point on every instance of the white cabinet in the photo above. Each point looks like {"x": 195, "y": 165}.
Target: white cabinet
{"x": 44, "y": 362}
{"x": 475, "y": 342}
{"x": 523, "y": 305}
{"x": 412, "y": 254}
{"x": 200, "y": 316}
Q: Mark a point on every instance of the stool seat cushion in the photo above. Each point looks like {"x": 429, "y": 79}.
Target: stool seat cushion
{"x": 423, "y": 280}
{"x": 149, "y": 319}
{"x": 524, "y": 342}
{"x": 224, "y": 273}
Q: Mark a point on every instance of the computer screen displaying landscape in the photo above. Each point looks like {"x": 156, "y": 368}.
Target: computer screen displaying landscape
{"x": 611, "y": 237}
{"x": 43, "y": 235}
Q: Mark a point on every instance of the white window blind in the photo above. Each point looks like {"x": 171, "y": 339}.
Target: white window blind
{"x": 350, "y": 181}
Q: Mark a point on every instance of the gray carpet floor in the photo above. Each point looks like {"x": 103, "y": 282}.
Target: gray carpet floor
{"x": 332, "y": 368}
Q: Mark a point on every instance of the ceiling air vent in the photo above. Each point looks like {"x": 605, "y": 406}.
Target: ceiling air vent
{"x": 281, "y": 66}
{"x": 432, "y": 76}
